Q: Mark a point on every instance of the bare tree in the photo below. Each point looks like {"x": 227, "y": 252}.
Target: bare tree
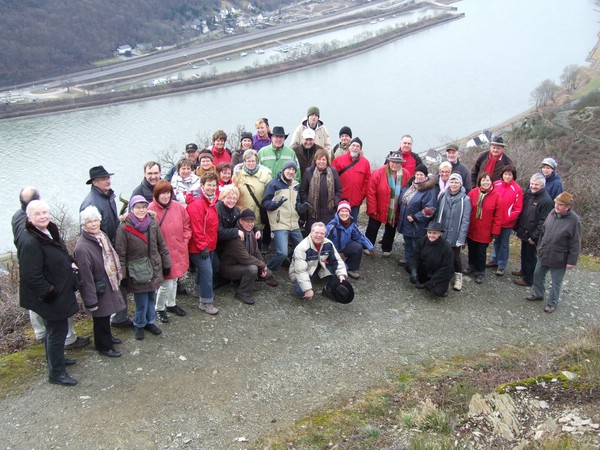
{"x": 569, "y": 77}
{"x": 544, "y": 93}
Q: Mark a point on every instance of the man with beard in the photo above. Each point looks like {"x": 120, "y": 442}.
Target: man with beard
{"x": 306, "y": 151}
{"x": 355, "y": 172}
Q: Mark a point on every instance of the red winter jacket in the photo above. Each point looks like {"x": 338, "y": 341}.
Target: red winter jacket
{"x": 378, "y": 193}
{"x": 355, "y": 180}
{"x": 204, "y": 220}
{"x": 481, "y": 230}
{"x": 511, "y": 201}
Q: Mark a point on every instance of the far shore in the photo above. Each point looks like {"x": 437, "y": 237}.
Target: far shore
{"x": 16, "y": 111}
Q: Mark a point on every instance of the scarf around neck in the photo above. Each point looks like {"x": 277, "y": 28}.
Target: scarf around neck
{"x": 140, "y": 225}
{"x": 395, "y": 183}
{"x": 314, "y": 190}
{"x": 480, "y": 198}
{"x": 112, "y": 266}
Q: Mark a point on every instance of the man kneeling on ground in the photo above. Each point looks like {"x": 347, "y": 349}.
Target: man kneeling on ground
{"x": 241, "y": 259}
{"x": 314, "y": 258}
{"x": 432, "y": 264}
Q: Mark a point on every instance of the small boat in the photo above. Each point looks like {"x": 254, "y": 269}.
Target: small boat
{"x": 243, "y": 54}
{"x": 259, "y": 51}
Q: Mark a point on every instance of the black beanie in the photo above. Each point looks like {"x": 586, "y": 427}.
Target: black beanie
{"x": 357, "y": 139}
{"x": 346, "y": 130}
{"x": 422, "y": 168}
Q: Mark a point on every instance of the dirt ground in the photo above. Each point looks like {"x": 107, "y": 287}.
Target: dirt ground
{"x": 221, "y": 382}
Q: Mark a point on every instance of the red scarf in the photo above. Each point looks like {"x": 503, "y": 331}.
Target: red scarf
{"x": 490, "y": 164}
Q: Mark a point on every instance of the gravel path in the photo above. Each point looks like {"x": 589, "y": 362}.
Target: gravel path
{"x": 252, "y": 370}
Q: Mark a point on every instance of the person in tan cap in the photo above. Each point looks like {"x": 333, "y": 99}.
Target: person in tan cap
{"x": 558, "y": 250}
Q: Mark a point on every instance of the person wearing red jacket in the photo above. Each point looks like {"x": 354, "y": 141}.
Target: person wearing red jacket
{"x": 412, "y": 160}
{"x": 511, "y": 204}
{"x": 383, "y": 192}
{"x": 204, "y": 220}
{"x": 219, "y": 151}
{"x": 355, "y": 172}
{"x": 484, "y": 224}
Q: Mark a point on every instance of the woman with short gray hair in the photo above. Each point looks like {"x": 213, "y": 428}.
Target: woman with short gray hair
{"x": 101, "y": 276}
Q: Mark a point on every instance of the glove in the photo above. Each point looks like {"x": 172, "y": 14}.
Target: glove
{"x": 459, "y": 244}
{"x": 413, "y": 277}
{"x": 166, "y": 271}
{"x": 204, "y": 254}
{"x": 280, "y": 202}
{"x": 303, "y": 207}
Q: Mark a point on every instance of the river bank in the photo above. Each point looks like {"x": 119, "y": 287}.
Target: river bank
{"x": 8, "y": 110}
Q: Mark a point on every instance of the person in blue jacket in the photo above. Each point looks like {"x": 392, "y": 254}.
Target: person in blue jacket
{"x": 347, "y": 238}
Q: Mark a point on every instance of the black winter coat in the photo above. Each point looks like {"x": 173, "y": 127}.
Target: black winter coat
{"x": 536, "y": 208}
{"x": 46, "y": 275}
{"x": 434, "y": 258}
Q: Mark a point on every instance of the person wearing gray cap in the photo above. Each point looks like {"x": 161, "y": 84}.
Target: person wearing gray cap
{"x": 314, "y": 122}
{"x": 554, "y": 185}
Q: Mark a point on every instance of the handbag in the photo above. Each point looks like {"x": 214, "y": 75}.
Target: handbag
{"x": 140, "y": 270}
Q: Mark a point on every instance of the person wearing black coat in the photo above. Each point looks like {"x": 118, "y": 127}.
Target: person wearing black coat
{"x": 432, "y": 262}
{"x": 47, "y": 285}
{"x": 537, "y": 204}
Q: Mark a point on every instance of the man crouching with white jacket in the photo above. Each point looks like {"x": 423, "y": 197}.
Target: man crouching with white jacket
{"x": 315, "y": 258}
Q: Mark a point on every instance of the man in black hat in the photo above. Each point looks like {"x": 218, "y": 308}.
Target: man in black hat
{"x": 432, "y": 263}
{"x": 276, "y": 154}
{"x": 103, "y": 197}
{"x": 492, "y": 161}
{"x": 316, "y": 258}
{"x": 241, "y": 259}
{"x": 191, "y": 154}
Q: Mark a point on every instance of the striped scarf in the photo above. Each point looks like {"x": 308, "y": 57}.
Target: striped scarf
{"x": 395, "y": 182}
{"x": 480, "y": 199}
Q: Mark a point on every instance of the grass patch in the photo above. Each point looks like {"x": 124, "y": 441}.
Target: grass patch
{"x": 593, "y": 85}
{"x": 106, "y": 62}
{"x": 19, "y": 369}
{"x": 425, "y": 405}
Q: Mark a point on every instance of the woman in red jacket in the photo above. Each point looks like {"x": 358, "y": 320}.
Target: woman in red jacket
{"x": 205, "y": 224}
{"x": 511, "y": 204}
{"x": 485, "y": 223}
{"x": 382, "y": 200}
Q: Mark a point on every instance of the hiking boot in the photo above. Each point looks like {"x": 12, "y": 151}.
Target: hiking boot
{"x": 153, "y": 329}
{"x": 521, "y": 282}
{"x": 549, "y": 308}
{"x": 457, "y": 281}
{"x": 208, "y": 308}
{"x": 491, "y": 263}
{"x": 533, "y": 298}
{"x": 271, "y": 281}
{"x": 162, "y": 316}
{"x": 353, "y": 274}
{"x": 139, "y": 333}
{"x": 176, "y": 310}
{"x": 499, "y": 272}
{"x": 248, "y": 300}
{"x": 479, "y": 279}
{"x": 517, "y": 273}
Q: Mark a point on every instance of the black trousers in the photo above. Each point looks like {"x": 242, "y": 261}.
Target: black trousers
{"x": 477, "y": 256}
{"x": 438, "y": 289}
{"x": 102, "y": 333}
{"x": 388, "y": 234}
{"x": 528, "y": 261}
{"x": 56, "y": 333}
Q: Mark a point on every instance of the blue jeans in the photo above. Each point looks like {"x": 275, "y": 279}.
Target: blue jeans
{"x": 281, "y": 238}
{"x": 144, "y": 309}
{"x": 539, "y": 279}
{"x": 500, "y": 253}
{"x": 354, "y": 213}
{"x": 204, "y": 275}
{"x": 410, "y": 243}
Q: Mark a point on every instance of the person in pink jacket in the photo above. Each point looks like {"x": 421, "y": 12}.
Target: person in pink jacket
{"x": 382, "y": 200}
{"x": 511, "y": 205}
{"x": 174, "y": 223}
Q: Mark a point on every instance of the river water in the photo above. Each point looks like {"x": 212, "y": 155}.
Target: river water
{"x": 438, "y": 85}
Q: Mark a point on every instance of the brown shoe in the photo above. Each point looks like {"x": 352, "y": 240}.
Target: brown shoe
{"x": 533, "y": 298}
{"x": 549, "y": 308}
{"x": 491, "y": 263}
{"x": 271, "y": 281}
{"x": 500, "y": 272}
{"x": 521, "y": 282}
{"x": 517, "y": 273}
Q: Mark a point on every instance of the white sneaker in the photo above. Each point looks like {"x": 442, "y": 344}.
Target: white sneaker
{"x": 387, "y": 254}
{"x": 209, "y": 308}
{"x": 366, "y": 252}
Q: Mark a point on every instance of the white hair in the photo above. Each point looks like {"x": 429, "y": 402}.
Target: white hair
{"x": 35, "y": 205}
{"x": 90, "y": 212}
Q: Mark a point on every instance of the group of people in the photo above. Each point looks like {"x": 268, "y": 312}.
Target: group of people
{"x": 218, "y": 212}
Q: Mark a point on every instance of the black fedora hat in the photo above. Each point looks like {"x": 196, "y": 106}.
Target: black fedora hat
{"x": 98, "y": 172}
{"x": 434, "y": 226}
{"x": 498, "y": 142}
{"x": 278, "y": 131}
{"x": 343, "y": 292}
